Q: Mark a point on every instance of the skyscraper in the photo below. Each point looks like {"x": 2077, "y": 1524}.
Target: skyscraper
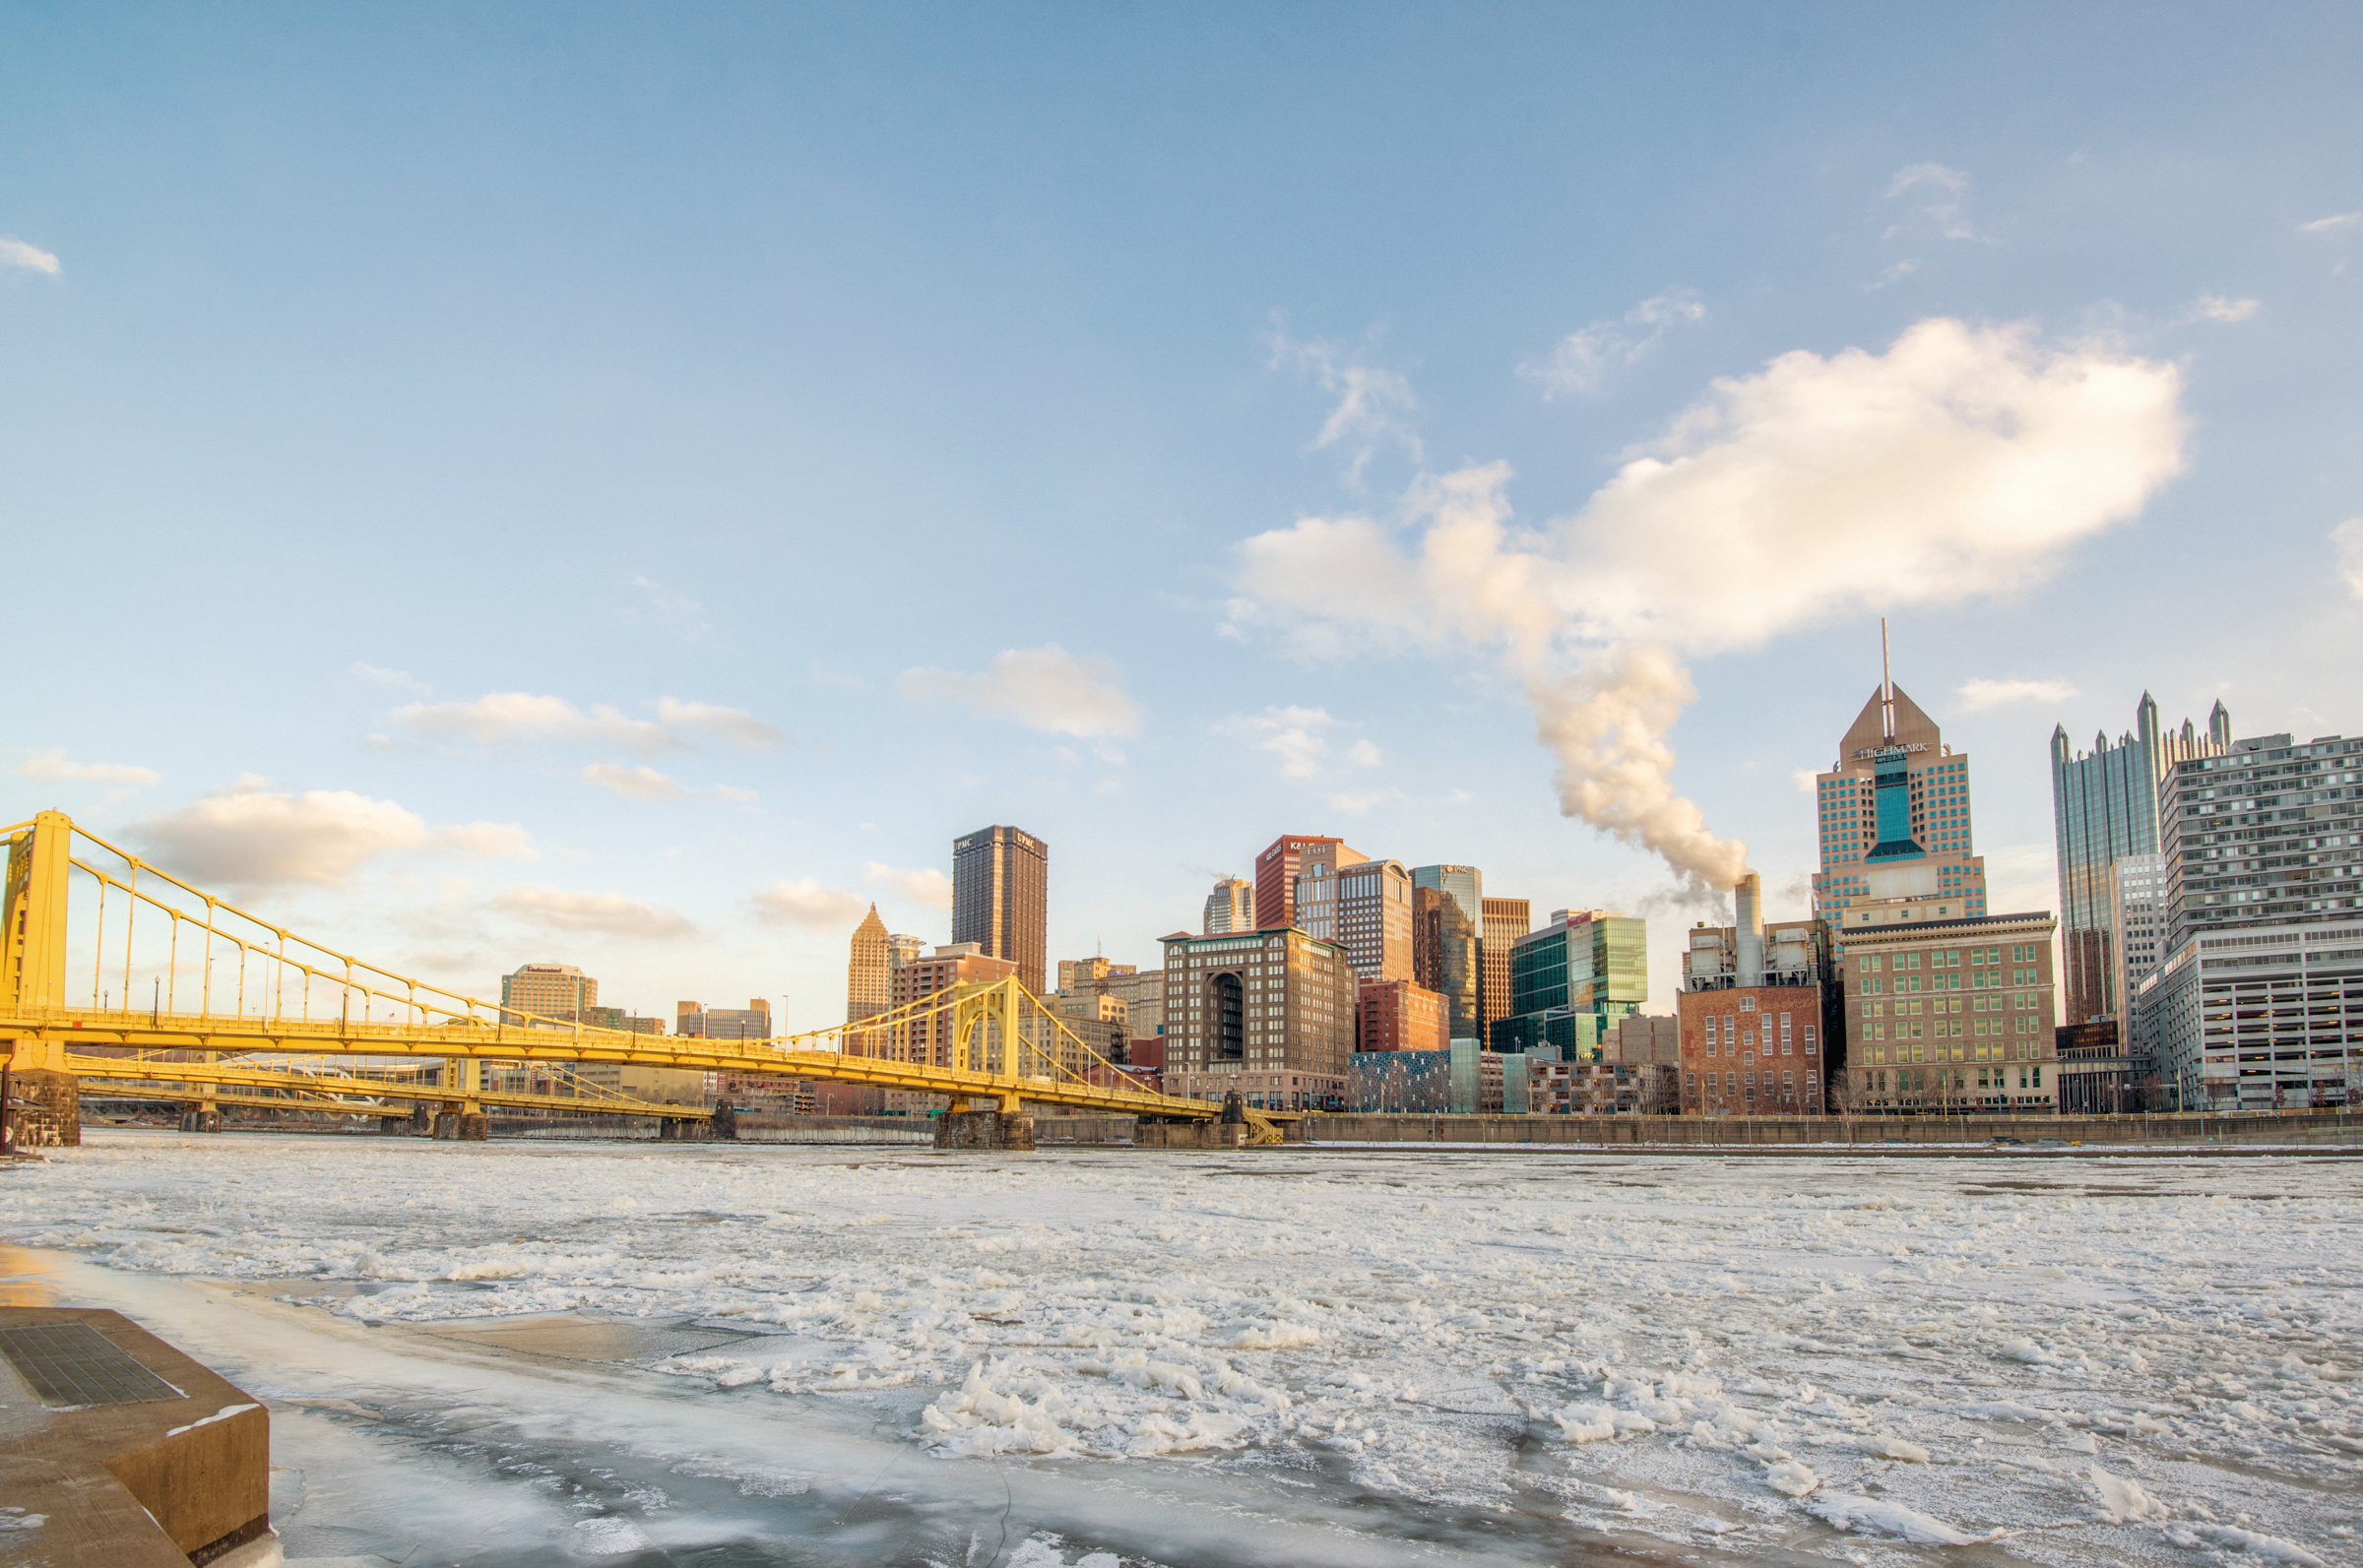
{"x": 1277, "y": 869}
{"x": 1505, "y": 921}
{"x": 1366, "y": 909}
{"x": 1448, "y": 933}
{"x": 1230, "y": 907}
{"x": 2104, "y": 807}
{"x": 867, "y": 986}
{"x": 1572, "y": 980}
{"x": 1895, "y": 817}
{"x": 2253, "y": 1006}
{"x": 1001, "y": 897}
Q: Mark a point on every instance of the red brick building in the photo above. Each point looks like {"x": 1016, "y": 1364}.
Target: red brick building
{"x": 1754, "y": 1051}
{"x": 1400, "y": 1016}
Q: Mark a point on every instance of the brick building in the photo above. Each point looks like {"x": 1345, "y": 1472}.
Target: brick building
{"x": 1399, "y": 1016}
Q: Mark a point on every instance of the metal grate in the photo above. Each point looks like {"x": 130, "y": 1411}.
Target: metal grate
{"x": 73, "y": 1364}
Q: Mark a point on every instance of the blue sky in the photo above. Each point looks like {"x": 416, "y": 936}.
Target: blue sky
{"x": 748, "y": 398}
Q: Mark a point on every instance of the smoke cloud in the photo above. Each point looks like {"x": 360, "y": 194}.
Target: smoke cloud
{"x": 1962, "y": 461}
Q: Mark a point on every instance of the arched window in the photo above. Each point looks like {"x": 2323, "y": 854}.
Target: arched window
{"x": 1230, "y": 1019}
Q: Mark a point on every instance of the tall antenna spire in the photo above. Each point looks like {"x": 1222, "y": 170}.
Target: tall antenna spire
{"x": 1887, "y": 685}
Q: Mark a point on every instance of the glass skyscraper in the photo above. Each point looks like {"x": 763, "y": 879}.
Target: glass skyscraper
{"x": 2104, "y": 808}
{"x": 1448, "y": 941}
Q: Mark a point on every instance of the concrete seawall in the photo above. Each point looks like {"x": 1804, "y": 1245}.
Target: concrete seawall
{"x": 2327, "y": 1127}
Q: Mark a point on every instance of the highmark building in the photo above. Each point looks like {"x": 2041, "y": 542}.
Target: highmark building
{"x": 2259, "y": 1002}
{"x": 1947, "y": 1007}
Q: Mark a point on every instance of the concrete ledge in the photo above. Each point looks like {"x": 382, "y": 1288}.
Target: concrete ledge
{"x": 2324, "y": 1127}
{"x": 983, "y": 1131}
{"x": 157, "y": 1483}
{"x": 1190, "y": 1135}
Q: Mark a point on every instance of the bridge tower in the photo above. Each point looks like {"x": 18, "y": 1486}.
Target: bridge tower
{"x": 32, "y": 978}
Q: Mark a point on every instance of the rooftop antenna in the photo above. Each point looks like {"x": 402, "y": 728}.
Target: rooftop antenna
{"x": 1887, "y": 685}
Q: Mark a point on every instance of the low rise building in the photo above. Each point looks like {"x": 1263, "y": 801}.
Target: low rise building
{"x": 1755, "y": 1015}
{"x": 696, "y": 1021}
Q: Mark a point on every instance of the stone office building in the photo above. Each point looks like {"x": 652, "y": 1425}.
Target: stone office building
{"x": 1952, "y": 1015}
{"x": 1268, "y": 1015}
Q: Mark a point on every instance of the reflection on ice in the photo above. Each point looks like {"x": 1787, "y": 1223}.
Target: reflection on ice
{"x": 617, "y": 1351}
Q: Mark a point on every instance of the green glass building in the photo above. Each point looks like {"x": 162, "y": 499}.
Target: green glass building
{"x": 1571, "y": 980}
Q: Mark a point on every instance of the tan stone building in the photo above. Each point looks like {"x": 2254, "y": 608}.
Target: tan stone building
{"x": 868, "y": 971}
{"x": 1952, "y": 1015}
{"x": 1268, "y": 1015}
{"x": 1229, "y": 907}
{"x": 557, "y": 991}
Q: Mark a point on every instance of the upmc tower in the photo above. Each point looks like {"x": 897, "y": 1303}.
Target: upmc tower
{"x": 1001, "y": 897}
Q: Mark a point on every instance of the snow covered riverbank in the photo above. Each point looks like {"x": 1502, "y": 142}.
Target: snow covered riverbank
{"x": 2066, "y": 1360}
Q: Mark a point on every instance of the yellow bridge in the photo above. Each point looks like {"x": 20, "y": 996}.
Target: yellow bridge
{"x": 245, "y": 1012}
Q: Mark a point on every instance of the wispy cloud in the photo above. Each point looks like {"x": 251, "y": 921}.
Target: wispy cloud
{"x": 505, "y": 717}
{"x": 1894, "y": 274}
{"x": 15, "y": 252}
{"x": 733, "y": 724}
{"x": 1044, "y": 688}
{"x": 639, "y": 783}
{"x": 53, "y": 765}
{"x": 1582, "y": 359}
{"x": 249, "y": 835}
{"x": 396, "y": 679}
{"x": 1375, "y": 404}
{"x": 2219, "y": 309}
{"x": 927, "y": 885}
{"x": 672, "y": 611}
{"x": 2331, "y": 223}
{"x": 2348, "y": 540}
{"x": 1302, "y": 739}
{"x": 807, "y": 906}
{"x": 1943, "y": 196}
{"x": 1977, "y": 695}
{"x": 593, "y": 914}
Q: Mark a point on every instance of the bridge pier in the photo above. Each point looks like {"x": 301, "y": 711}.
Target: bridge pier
{"x": 200, "y": 1119}
{"x": 983, "y": 1131}
{"x": 44, "y": 1107}
{"x": 463, "y": 1126}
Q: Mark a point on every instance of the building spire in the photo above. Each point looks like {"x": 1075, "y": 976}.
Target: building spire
{"x": 1886, "y": 687}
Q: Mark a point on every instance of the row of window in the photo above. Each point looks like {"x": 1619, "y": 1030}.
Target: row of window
{"x": 2023, "y": 1050}
{"x": 1732, "y": 1084}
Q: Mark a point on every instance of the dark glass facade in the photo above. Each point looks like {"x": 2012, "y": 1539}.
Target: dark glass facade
{"x": 1448, "y": 933}
{"x": 1001, "y": 897}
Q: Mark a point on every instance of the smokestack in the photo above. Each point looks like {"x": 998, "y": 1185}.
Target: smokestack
{"x": 1748, "y": 902}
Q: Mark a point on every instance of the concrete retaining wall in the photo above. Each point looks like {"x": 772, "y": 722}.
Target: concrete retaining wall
{"x": 2194, "y": 1127}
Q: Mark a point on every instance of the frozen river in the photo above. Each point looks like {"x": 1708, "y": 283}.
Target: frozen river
{"x": 514, "y": 1354}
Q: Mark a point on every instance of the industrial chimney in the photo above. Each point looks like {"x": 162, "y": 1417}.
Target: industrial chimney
{"x": 1748, "y": 900}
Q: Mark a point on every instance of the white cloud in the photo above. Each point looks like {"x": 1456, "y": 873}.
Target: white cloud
{"x": 2331, "y": 223}
{"x": 2219, "y": 309}
{"x": 1959, "y": 462}
{"x": 398, "y": 680}
{"x": 252, "y": 836}
{"x": 808, "y": 905}
{"x": 927, "y": 885}
{"x": 593, "y": 914}
{"x": 1301, "y": 738}
{"x": 672, "y": 611}
{"x": 512, "y": 715}
{"x": 1583, "y": 358}
{"x": 506, "y": 716}
{"x": 1375, "y": 404}
{"x": 15, "y": 252}
{"x": 493, "y": 840}
{"x": 640, "y": 784}
{"x": 1044, "y": 688}
{"x": 1805, "y": 778}
{"x": 735, "y": 725}
{"x": 2348, "y": 539}
{"x": 1977, "y": 695}
{"x": 737, "y": 796}
{"x": 1943, "y": 197}
{"x": 53, "y": 765}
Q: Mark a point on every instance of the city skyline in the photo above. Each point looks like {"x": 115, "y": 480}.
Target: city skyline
{"x": 501, "y": 408}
